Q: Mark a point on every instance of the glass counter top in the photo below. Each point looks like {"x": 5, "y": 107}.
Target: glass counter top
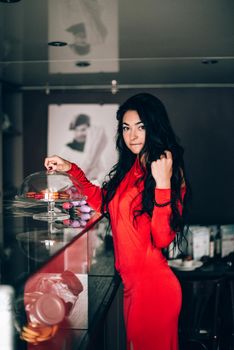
{"x": 75, "y": 263}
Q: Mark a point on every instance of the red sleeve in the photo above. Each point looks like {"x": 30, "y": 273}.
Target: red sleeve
{"x": 160, "y": 223}
{"x": 93, "y": 192}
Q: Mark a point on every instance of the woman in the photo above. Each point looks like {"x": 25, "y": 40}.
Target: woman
{"x": 144, "y": 198}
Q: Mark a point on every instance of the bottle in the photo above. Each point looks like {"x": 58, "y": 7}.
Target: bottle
{"x": 212, "y": 244}
{"x": 218, "y": 243}
{"x": 7, "y": 318}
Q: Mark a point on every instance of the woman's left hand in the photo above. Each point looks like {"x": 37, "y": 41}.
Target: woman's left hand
{"x": 161, "y": 170}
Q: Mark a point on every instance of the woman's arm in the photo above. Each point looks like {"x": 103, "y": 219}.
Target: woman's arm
{"x": 160, "y": 224}
{"x": 94, "y": 193}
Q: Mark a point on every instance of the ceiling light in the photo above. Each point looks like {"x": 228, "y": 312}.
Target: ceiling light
{"x": 57, "y": 43}
{"x": 47, "y": 89}
{"x": 83, "y": 64}
{"x": 209, "y": 61}
{"x": 114, "y": 87}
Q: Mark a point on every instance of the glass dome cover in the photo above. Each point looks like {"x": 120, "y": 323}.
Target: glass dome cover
{"x": 50, "y": 187}
{"x": 47, "y": 186}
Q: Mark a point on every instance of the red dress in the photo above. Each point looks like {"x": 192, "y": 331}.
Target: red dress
{"x": 152, "y": 293}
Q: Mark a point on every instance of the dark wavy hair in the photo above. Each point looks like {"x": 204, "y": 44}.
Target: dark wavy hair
{"x": 159, "y": 137}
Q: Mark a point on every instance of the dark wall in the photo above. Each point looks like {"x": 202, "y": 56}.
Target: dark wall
{"x": 202, "y": 118}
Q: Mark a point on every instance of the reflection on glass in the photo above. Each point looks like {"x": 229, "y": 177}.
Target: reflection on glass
{"x": 39, "y": 245}
{"x": 90, "y": 29}
{"x": 54, "y": 302}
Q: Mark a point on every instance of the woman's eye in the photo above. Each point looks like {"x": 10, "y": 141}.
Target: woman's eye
{"x": 142, "y": 127}
{"x": 125, "y": 128}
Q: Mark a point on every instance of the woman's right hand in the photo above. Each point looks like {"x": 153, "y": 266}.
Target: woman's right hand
{"x": 57, "y": 163}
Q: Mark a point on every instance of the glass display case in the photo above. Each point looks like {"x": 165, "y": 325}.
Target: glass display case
{"x": 63, "y": 279}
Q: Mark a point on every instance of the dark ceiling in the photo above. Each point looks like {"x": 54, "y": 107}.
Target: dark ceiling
{"x": 138, "y": 43}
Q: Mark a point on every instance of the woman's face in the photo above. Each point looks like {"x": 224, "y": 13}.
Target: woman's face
{"x": 133, "y": 131}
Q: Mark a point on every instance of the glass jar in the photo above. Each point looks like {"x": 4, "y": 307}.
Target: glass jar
{"x": 44, "y": 308}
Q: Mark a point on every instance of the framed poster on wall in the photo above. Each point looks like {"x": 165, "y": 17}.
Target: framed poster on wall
{"x": 84, "y": 134}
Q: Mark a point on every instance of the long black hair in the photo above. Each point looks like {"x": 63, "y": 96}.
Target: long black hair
{"x": 159, "y": 137}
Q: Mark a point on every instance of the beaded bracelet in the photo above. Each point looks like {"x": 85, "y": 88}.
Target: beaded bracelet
{"x": 162, "y": 204}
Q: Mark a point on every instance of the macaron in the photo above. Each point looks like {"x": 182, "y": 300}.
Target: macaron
{"x": 84, "y": 209}
{"x": 67, "y": 205}
{"x": 30, "y": 194}
{"x": 75, "y": 223}
{"x": 85, "y": 216}
{"x": 39, "y": 196}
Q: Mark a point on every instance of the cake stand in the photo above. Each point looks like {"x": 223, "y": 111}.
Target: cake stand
{"x": 52, "y": 188}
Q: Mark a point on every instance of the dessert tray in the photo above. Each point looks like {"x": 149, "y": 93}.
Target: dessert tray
{"x": 51, "y": 188}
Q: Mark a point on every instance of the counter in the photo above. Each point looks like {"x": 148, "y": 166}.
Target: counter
{"x": 41, "y": 257}
{"x": 34, "y": 256}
